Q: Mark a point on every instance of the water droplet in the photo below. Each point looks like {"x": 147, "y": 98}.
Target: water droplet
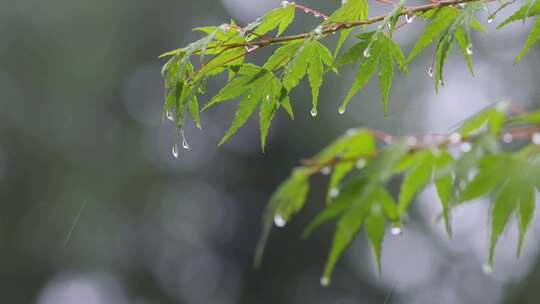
{"x": 412, "y": 141}
{"x": 396, "y": 230}
{"x": 507, "y": 138}
{"x": 325, "y": 18}
{"x": 465, "y": 147}
{"x": 342, "y": 110}
{"x": 409, "y": 18}
{"x": 351, "y": 131}
{"x": 469, "y": 49}
{"x": 455, "y": 138}
{"x": 317, "y": 15}
{"x": 462, "y": 5}
{"x": 325, "y": 281}
{"x": 361, "y": 164}
{"x": 199, "y": 125}
{"x": 334, "y": 192}
{"x": 267, "y": 97}
{"x": 490, "y": 20}
{"x": 313, "y": 112}
{"x": 175, "y": 151}
{"x": 343, "y": 2}
{"x": 224, "y": 27}
{"x": 306, "y": 10}
{"x": 284, "y": 4}
{"x": 502, "y": 106}
{"x": 318, "y": 31}
{"x": 185, "y": 144}
{"x": 326, "y": 170}
{"x": 279, "y": 221}
{"x": 252, "y": 48}
{"x": 169, "y": 115}
{"x": 430, "y": 71}
{"x": 487, "y": 269}
{"x": 536, "y": 138}
{"x": 367, "y": 52}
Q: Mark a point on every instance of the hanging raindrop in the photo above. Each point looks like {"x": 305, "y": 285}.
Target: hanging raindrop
{"x": 465, "y": 147}
{"x": 487, "y": 269}
{"x": 507, "y": 138}
{"x": 490, "y": 20}
{"x": 325, "y": 281}
{"x": 279, "y": 221}
{"x": 536, "y": 139}
{"x": 284, "y": 4}
{"x": 342, "y": 110}
{"x": 326, "y": 170}
{"x": 185, "y": 144}
{"x": 317, "y": 15}
{"x": 334, "y": 192}
{"x": 430, "y": 71}
{"x": 306, "y": 10}
{"x": 313, "y": 112}
{"x": 318, "y": 31}
{"x": 361, "y": 164}
{"x": 175, "y": 151}
{"x": 367, "y": 52}
{"x": 409, "y": 18}
{"x": 396, "y": 230}
{"x": 469, "y": 49}
{"x": 252, "y": 48}
{"x": 169, "y": 115}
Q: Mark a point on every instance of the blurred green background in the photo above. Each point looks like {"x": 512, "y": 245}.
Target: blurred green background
{"x": 95, "y": 210}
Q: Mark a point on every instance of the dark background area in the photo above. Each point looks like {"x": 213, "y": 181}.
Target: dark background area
{"x": 95, "y": 210}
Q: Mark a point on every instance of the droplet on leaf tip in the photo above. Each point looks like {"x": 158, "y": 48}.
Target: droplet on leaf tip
{"x": 313, "y": 112}
{"x": 342, "y": 110}
{"x": 284, "y": 4}
{"x": 185, "y": 144}
{"x": 279, "y": 221}
{"x": 175, "y": 152}
{"x": 325, "y": 281}
{"x": 487, "y": 269}
{"x": 396, "y": 230}
{"x": 169, "y": 115}
{"x": 469, "y": 50}
{"x": 367, "y": 52}
{"x": 490, "y": 20}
